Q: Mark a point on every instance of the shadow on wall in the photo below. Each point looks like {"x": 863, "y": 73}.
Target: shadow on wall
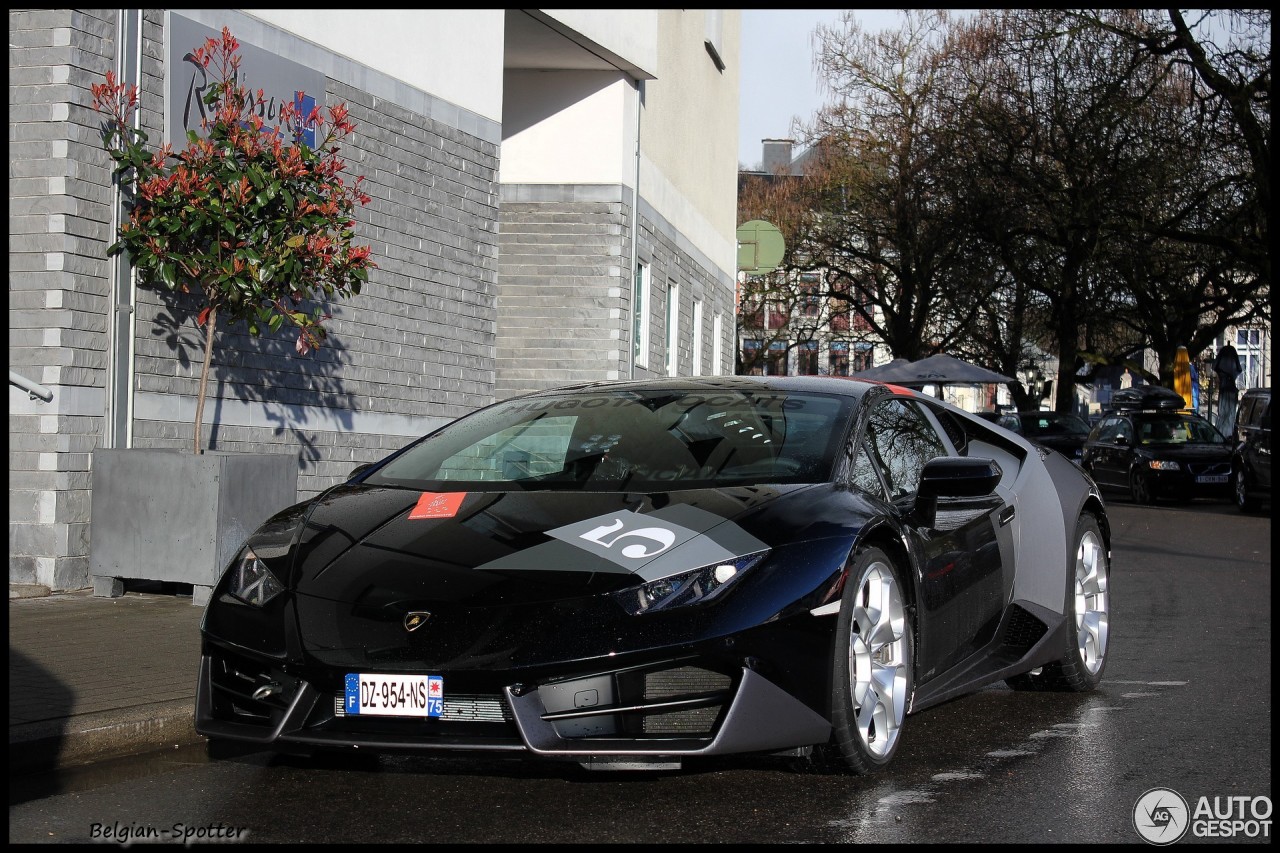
{"x": 264, "y": 369}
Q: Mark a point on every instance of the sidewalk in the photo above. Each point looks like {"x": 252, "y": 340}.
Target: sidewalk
{"x": 96, "y": 678}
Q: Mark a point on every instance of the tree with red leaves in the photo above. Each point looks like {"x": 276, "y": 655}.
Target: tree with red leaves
{"x": 247, "y": 218}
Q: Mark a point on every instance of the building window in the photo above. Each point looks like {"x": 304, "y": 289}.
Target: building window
{"x": 862, "y": 354}
{"x": 810, "y": 302}
{"x": 807, "y": 359}
{"x": 697, "y": 337}
{"x": 1249, "y": 346}
{"x": 673, "y": 328}
{"x": 714, "y": 39}
{"x": 751, "y": 358}
{"x": 717, "y": 351}
{"x": 838, "y": 358}
{"x": 777, "y": 312}
{"x": 639, "y": 320}
{"x": 776, "y": 363}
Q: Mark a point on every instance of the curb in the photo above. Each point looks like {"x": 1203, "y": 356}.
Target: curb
{"x": 28, "y": 590}
{"x": 59, "y": 744}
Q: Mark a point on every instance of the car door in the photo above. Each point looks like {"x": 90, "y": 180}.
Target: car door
{"x": 1258, "y": 443}
{"x": 1108, "y": 450}
{"x": 960, "y": 577}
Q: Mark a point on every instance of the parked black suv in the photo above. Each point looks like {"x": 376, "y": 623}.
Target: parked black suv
{"x": 1251, "y": 461}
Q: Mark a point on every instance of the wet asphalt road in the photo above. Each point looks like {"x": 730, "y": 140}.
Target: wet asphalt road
{"x": 1185, "y": 705}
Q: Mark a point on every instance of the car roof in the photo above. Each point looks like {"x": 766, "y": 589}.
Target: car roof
{"x": 1164, "y": 415}
{"x": 840, "y": 385}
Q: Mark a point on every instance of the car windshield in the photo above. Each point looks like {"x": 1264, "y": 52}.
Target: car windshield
{"x": 615, "y": 440}
{"x": 1177, "y": 429}
{"x": 1052, "y": 423}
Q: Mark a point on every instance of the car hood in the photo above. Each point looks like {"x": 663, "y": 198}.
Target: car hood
{"x": 497, "y": 548}
{"x": 1188, "y": 452}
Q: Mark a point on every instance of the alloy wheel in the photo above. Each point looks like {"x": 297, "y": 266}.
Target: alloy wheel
{"x": 879, "y": 659}
{"x": 1091, "y": 602}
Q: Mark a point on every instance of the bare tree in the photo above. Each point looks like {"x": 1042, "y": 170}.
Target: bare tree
{"x": 880, "y": 223}
{"x": 1229, "y": 53}
{"x": 1060, "y": 166}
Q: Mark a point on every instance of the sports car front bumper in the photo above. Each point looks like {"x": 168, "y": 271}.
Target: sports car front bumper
{"x": 674, "y": 710}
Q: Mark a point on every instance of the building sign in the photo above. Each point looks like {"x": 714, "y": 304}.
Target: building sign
{"x": 279, "y": 79}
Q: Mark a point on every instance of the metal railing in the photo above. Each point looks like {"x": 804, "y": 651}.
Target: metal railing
{"x": 36, "y": 390}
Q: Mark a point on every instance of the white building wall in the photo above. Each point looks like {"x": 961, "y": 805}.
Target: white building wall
{"x": 629, "y": 33}
{"x": 568, "y": 127}
{"x": 455, "y": 54}
{"x": 688, "y": 131}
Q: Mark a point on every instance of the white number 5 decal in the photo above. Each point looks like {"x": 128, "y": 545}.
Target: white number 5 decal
{"x": 662, "y": 537}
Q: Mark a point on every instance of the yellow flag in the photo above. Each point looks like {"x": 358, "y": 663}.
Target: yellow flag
{"x": 1182, "y": 374}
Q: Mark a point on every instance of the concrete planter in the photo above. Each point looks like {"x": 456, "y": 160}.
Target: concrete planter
{"x": 169, "y": 515}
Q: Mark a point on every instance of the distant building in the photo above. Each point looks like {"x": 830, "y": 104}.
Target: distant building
{"x": 785, "y": 327}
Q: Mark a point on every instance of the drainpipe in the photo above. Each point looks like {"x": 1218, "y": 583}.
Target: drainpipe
{"x": 635, "y": 234}
{"x": 118, "y": 423}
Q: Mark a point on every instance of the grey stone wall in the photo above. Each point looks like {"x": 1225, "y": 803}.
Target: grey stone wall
{"x": 565, "y": 289}
{"x": 672, "y": 258}
{"x": 417, "y": 342}
{"x": 58, "y": 227}
{"x": 412, "y": 351}
{"x": 564, "y": 286}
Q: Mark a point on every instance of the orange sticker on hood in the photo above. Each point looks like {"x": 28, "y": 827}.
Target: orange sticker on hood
{"x": 438, "y": 505}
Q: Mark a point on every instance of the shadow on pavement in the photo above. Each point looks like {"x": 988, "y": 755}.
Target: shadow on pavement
{"x": 38, "y": 708}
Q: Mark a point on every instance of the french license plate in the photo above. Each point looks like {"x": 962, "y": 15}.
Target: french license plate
{"x": 1212, "y": 478}
{"x": 394, "y": 695}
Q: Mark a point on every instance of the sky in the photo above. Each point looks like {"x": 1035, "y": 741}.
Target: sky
{"x": 778, "y": 81}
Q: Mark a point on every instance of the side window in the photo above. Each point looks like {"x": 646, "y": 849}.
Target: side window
{"x": 1247, "y": 409}
{"x": 1109, "y": 429}
{"x": 864, "y": 474}
{"x": 951, "y": 428}
{"x": 901, "y": 441}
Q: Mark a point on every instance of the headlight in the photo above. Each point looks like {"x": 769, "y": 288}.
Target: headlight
{"x": 251, "y": 581}
{"x": 1163, "y": 465}
{"x": 691, "y": 587}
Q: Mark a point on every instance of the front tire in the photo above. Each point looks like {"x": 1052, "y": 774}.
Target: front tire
{"x": 1140, "y": 488}
{"x": 1084, "y": 655}
{"x": 872, "y": 678}
{"x": 1240, "y": 481}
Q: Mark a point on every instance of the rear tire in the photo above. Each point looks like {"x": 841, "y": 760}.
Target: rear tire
{"x": 872, "y": 664}
{"x": 1088, "y": 607}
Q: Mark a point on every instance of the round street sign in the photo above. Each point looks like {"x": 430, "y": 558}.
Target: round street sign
{"x": 760, "y": 246}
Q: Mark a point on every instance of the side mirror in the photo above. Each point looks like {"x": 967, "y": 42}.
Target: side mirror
{"x": 1122, "y": 439}
{"x": 954, "y": 477}
{"x": 358, "y": 470}
{"x": 958, "y": 477}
